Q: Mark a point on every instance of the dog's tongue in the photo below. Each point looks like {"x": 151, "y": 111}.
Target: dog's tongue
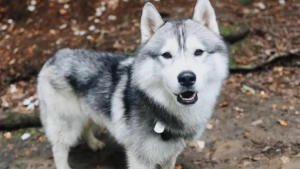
{"x": 187, "y": 94}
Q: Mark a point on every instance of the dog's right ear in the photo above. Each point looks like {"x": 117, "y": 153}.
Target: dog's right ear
{"x": 205, "y": 14}
{"x": 150, "y": 22}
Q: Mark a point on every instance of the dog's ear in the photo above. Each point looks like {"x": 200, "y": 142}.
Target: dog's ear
{"x": 150, "y": 22}
{"x": 205, "y": 14}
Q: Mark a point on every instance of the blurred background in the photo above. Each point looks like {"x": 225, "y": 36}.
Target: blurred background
{"x": 256, "y": 123}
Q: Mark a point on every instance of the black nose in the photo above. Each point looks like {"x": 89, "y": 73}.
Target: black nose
{"x": 187, "y": 78}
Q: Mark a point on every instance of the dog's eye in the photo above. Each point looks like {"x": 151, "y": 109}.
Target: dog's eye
{"x": 167, "y": 55}
{"x": 198, "y": 52}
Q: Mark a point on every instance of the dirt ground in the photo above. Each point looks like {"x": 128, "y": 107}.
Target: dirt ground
{"x": 260, "y": 131}
{"x": 256, "y": 124}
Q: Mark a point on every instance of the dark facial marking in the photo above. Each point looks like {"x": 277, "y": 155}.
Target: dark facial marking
{"x": 127, "y": 94}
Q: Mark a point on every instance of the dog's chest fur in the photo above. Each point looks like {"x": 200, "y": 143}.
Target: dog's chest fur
{"x": 133, "y": 104}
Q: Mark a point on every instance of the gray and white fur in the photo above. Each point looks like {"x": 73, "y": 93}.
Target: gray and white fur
{"x": 174, "y": 79}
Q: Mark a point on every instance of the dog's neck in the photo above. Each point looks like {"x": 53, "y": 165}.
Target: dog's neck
{"x": 155, "y": 104}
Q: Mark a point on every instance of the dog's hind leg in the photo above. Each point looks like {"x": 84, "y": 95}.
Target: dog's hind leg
{"x": 63, "y": 134}
{"x": 62, "y": 119}
{"x": 91, "y": 140}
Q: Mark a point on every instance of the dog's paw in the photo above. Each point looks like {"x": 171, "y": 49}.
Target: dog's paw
{"x": 97, "y": 145}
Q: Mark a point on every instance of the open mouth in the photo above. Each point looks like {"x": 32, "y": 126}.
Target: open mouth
{"x": 188, "y": 97}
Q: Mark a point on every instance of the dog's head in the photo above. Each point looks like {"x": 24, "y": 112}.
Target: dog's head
{"x": 182, "y": 57}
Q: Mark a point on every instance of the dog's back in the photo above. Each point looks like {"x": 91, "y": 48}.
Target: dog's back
{"x": 68, "y": 81}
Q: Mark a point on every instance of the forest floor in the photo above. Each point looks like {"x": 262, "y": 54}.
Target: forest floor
{"x": 256, "y": 124}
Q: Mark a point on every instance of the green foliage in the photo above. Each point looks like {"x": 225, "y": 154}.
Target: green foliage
{"x": 245, "y": 2}
{"x": 126, "y": 17}
{"x": 232, "y": 63}
{"x": 31, "y": 131}
{"x": 234, "y": 30}
{"x": 225, "y": 30}
{"x": 19, "y": 133}
{"x": 130, "y": 52}
{"x": 236, "y": 46}
{"x": 256, "y": 44}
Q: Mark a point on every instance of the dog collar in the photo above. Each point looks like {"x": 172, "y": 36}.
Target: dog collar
{"x": 160, "y": 129}
{"x": 166, "y": 135}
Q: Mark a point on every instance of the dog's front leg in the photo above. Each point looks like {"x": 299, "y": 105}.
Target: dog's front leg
{"x": 170, "y": 164}
{"x": 136, "y": 163}
{"x": 61, "y": 154}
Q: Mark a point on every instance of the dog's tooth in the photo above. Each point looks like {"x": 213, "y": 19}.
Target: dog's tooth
{"x": 194, "y": 95}
{"x": 188, "y": 99}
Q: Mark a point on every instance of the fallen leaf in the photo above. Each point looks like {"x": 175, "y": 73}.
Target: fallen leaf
{"x": 285, "y": 159}
{"x": 197, "y": 162}
{"x": 28, "y": 152}
{"x": 284, "y": 108}
{"x": 63, "y": 11}
{"x": 25, "y": 136}
{"x": 10, "y": 146}
{"x": 63, "y": 1}
{"x": 257, "y": 122}
{"x": 283, "y": 122}
{"x": 246, "y": 163}
{"x": 41, "y": 139}
{"x": 266, "y": 148}
{"x": 259, "y": 157}
{"x": 246, "y": 132}
{"x": 274, "y": 106}
{"x": 201, "y": 144}
{"x": 262, "y": 95}
{"x": 192, "y": 144}
{"x": 209, "y": 126}
{"x": 247, "y": 88}
{"x": 238, "y": 109}
{"x": 248, "y": 93}
{"x": 7, "y": 135}
{"x": 178, "y": 167}
{"x": 224, "y": 104}
{"x": 117, "y": 45}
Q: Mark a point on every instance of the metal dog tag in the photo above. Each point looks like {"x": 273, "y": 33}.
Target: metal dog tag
{"x": 159, "y": 128}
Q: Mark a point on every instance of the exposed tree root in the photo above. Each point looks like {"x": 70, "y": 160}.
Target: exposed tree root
{"x": 272, "y": 59}
{"x": 13, "y": 121}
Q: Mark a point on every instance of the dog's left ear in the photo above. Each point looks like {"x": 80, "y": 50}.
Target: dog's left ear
{"x": 150, "y": 22}
{"x": 205, "y": 14}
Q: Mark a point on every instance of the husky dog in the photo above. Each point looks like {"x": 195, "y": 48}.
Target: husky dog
{"x": 151, "y": 103}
